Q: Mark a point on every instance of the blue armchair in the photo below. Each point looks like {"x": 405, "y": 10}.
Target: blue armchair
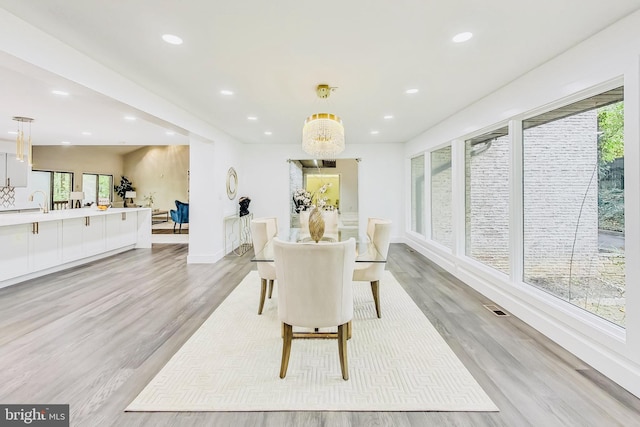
{"x": 180, "y": 215}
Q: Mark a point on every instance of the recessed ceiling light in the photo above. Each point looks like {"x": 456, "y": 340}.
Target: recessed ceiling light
{"x": 12, "y": 132}
{"x": 375, "y": 132}
{"x": 65, "y": 142}
{"x": 462, "y": 37}
{"x": 268, "y": 132}
{"x": 252, "y": 118}
{"x": 130, "y": 118}
{"x": 388, "y": 116}
{"x": 226, "y": 92}
{"x": 60, "y": 92}
{"x": 86, "y": 133}
{"x": 411, "y": 91}
{"x": 170, "y": 132}
{"x": 171, "y": 39}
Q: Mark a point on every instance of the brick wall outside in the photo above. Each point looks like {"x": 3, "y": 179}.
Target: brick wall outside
{"x": 441, "y": 209}
{"x": 559, "y": 188}
{"x": 487, "y": 203}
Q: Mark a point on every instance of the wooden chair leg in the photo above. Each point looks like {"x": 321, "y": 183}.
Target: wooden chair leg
{"x": 263, "y": 292}
{"x": 286, "y": 349}
{"x": 174, "y": 228}
{"x": 375, "y": 290}
{"x": 270, "y": 288}
{"x": 342, "y": 351}
{"x": 349, "y": 329}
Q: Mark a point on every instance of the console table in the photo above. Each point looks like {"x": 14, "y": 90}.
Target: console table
{"x": 237, "y": 233}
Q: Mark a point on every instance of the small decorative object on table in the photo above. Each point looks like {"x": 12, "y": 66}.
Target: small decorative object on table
{"x": 316, "y": 224}
{"x": 149, "y": 199}
{"x": 244, "y": 205}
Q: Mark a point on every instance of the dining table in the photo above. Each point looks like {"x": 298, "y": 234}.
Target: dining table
{"x": 366, "y": 250}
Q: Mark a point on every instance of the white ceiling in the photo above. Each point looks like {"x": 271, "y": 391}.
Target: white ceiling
{"x": 272, "y": 54}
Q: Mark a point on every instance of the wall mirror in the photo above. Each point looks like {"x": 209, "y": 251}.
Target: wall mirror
{"x": 340, "y": 181}
{"x": 232, "y": 183}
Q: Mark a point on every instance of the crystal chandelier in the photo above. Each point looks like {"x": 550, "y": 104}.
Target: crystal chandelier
{"x": 323, "y": 133}
{"x": 20, "y": 140}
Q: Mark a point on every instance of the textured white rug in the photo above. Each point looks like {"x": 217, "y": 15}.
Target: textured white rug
{"x": 397, "y": 363}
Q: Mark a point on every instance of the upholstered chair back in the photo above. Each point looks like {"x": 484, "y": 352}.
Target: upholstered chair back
{"x": 381, "y": 237}
{"x": 371, "y": 224}
{"x": 314, "y": 282}
{"x": 330, "y": 221}
{"x": 304, "y": 221}
{"x": 180, "y": 215}
{"x": 260, "y": 235}
{"x": 272, "y": 226}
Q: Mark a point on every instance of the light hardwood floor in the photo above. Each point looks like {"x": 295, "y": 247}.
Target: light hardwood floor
{"x": 95, "y": 335}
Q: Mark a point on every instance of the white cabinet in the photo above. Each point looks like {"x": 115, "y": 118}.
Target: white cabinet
{"x": 72, "y": 239}
{"x": 14, "y": 251}
{"x": 82, "y": 237}
{"x": 33, "y": 244}
{"x": 121, "y": 230}
{"x": 93, "y": 236}
{"x": 13, "y": 173}
{"x": 44, "y": 245}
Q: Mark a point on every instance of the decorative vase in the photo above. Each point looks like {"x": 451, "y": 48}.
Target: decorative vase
{"x": 316, "y": 224}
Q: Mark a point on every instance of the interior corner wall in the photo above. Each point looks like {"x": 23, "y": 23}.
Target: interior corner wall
{"x": 160, "y": 169}
{"x": 598, "y": 62}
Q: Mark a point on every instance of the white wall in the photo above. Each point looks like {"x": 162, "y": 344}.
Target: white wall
{"x": 592, "y": 65}
{"x": 208, "y": 201}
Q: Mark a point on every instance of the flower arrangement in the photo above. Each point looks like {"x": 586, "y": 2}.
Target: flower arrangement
{"x": 301, "y": 200}
{"x": 321, "y": 200}
{"x": 149, "y": 199}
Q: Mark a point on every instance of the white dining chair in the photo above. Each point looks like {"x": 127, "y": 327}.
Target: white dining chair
{"x": 372, "y": 272}
{"x": 304, "y": 221}
{"x": 263, "y": 230}
{"x": 330, "y": 222}
{"x": 315, "y": 291}
{"x": 371, "y": 223}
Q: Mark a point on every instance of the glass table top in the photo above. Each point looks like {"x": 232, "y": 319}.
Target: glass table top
{"x": 366, "y": 251}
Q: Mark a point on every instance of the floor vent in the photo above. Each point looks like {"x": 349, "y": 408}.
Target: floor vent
{"x": 495, "y": 310}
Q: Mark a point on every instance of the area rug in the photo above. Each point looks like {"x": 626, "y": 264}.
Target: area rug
{"x": 232, "y": 363}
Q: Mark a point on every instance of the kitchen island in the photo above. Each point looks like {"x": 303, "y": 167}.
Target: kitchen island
{"x": 33, "y": 243}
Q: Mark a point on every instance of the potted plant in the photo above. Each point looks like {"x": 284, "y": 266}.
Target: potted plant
{"x": 121, "y": 190}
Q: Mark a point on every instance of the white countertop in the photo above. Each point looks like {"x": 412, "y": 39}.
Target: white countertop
{"x": 29, "y": 217}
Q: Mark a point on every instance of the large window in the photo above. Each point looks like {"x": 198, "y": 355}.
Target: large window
{"x": 58, "y": 185}
{"x": 96, "y": 186}
{"x": 487, "y": 199}
{"x": 441, "y": 208}
{"x": 417, "y": 194}
{"x": 573, "y": 192}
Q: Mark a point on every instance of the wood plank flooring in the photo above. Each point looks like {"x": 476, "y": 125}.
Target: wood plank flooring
{"x": 95, "y": 335}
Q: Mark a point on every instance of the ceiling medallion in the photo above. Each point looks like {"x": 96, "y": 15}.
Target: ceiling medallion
{"x": 323, "y": 133}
